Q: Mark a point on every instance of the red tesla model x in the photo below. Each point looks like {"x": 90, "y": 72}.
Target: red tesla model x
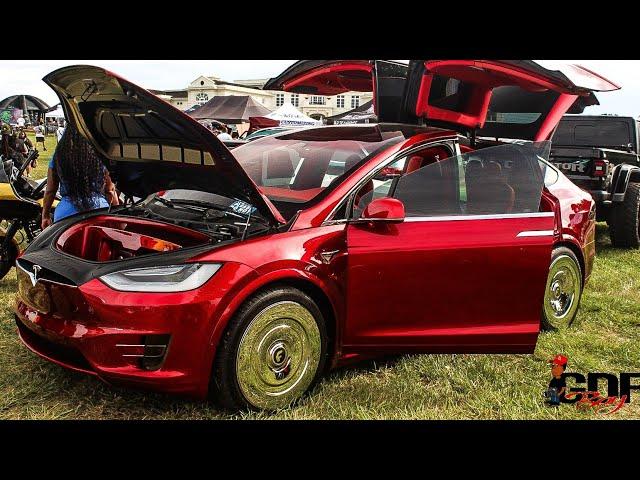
{"x": 245, "y": 275}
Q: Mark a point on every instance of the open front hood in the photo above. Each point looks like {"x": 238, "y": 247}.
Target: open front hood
{"x": 149, "y": 145}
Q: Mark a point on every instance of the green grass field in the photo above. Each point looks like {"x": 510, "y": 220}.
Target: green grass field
{"x": 604, "y": 338}
{"x": 43, "y": 160}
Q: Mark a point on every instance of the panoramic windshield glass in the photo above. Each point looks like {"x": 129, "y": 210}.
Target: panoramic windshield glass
{"x": 293, "y": 169}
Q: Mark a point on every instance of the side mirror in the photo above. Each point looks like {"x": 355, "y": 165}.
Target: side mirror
{"x": 384, "y": 210}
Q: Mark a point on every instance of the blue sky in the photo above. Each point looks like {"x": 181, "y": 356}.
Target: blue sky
{"x": 25, "y": 76}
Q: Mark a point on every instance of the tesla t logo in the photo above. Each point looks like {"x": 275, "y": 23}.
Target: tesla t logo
{"x": 34, "y": 276}
{"x": 279, "y": 355}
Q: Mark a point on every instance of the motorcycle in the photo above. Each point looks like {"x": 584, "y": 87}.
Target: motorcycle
{"x": 20, "y": 209}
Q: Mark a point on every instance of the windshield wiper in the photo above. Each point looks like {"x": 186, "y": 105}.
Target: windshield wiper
{"x": 173, "y": 204}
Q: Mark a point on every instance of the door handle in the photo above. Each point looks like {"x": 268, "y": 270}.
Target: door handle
{"x": 535, "y": 233}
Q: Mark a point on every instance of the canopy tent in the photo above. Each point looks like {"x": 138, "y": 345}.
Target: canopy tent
{"x": 32, "y": 107}
{"x": 211, "y": 124}
{"x": 230, "y": 109}
{"x": 362, "y": 114}
{"x": 55, "y": 113}
{"x": 287, "y": 115}
{"x": 256, "y": 123}
{"x": 193, "y": 108}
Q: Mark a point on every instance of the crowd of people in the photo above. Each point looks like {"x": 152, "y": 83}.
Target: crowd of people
{"x": 15, "y": 144}
{"x": 223, "y": 132}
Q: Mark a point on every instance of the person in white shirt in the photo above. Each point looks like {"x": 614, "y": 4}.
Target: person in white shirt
{"x": 39, "y": 131}
{"x": 60, "y": 131}
{"x": 224, "y": 136}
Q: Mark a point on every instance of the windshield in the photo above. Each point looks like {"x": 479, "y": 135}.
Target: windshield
{"x": 294, "y": 169}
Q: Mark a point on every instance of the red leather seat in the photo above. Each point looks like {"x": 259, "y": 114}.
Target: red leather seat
{"x": 414, "y": 163}
{"x": 487, "y": 189}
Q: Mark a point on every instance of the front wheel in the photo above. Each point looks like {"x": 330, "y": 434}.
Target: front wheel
{"x": 272, "y": 352}
{"x": 562, "y": 291}
{"x": 7, "y": 257}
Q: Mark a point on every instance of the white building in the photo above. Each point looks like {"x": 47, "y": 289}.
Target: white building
{"x": 203, "y": 88}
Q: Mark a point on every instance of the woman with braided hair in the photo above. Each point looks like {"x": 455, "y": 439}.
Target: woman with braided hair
{"x": 84, "y": 182}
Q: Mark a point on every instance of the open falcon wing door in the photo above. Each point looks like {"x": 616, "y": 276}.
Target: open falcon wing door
{"x": 518, "y": 99}
{"x": 384, "y": 78}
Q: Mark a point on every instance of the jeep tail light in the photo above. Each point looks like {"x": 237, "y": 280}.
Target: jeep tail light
{"x": 599, "y": 168}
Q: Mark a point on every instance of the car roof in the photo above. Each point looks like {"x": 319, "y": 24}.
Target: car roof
{"x": 358, "y": 130}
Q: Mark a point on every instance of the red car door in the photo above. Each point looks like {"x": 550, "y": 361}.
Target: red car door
{"x": 466, "y": 270}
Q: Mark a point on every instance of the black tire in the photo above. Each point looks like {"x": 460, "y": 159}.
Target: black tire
{"x": 564, "y": 264}
{"x": 7, "y": 259}
{"x": 227, "y": 383}
{"x": 602, "y": 213}
{"x": 624, "y": 219}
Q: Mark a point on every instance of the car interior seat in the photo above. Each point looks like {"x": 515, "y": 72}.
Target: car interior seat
{"x": 312, "y": 171}
{"x": 527, "y": 187}
{"x": 497, "y": 194}
{"x": 279, "y": 165}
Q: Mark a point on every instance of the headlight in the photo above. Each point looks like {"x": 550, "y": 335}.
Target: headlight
{"x": 173, "y": 278}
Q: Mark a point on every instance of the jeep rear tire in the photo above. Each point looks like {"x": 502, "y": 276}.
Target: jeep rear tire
{"x": 624, "y": 221}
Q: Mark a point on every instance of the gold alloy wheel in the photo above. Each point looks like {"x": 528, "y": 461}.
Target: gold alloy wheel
{"x": 278, "y": 355}
{"x": 562, "y": 292}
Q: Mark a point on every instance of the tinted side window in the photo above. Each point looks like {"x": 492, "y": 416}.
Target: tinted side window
{"x": 496, "y": 180}
{"x": 503, "y": 180}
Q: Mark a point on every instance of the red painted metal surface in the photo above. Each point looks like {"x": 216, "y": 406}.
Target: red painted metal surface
{"x": 456, "y": 285}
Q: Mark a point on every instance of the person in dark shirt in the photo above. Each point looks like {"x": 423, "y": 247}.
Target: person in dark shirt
{"x": 558, "y": 385}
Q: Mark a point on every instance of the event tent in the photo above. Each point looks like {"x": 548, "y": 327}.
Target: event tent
{"x": 288, "y": 115}
{"x": 230, "y": 109}
{"x": 362, "y": 114}
{"x": 32, "y": 107}
{"x": 55, "y": 113}
{"x": 256, "y": 123}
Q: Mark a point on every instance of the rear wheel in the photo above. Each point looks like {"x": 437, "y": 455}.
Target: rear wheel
{"x": 562, "y": 291}
{"x": 272, "y": 352}
{"x": 624, "y": 219}
{"x": 7, "y": 257}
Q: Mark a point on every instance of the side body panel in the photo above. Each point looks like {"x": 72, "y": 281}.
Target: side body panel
{"x": 448, "y": 284}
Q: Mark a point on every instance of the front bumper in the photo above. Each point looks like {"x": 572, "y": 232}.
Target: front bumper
{"x": 103, "y": 332}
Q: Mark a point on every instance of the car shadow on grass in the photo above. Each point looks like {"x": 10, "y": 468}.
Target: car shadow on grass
{"x": 603, "y": 241}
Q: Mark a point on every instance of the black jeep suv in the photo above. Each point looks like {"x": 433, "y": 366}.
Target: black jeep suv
{"x": 600, "y": 154}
